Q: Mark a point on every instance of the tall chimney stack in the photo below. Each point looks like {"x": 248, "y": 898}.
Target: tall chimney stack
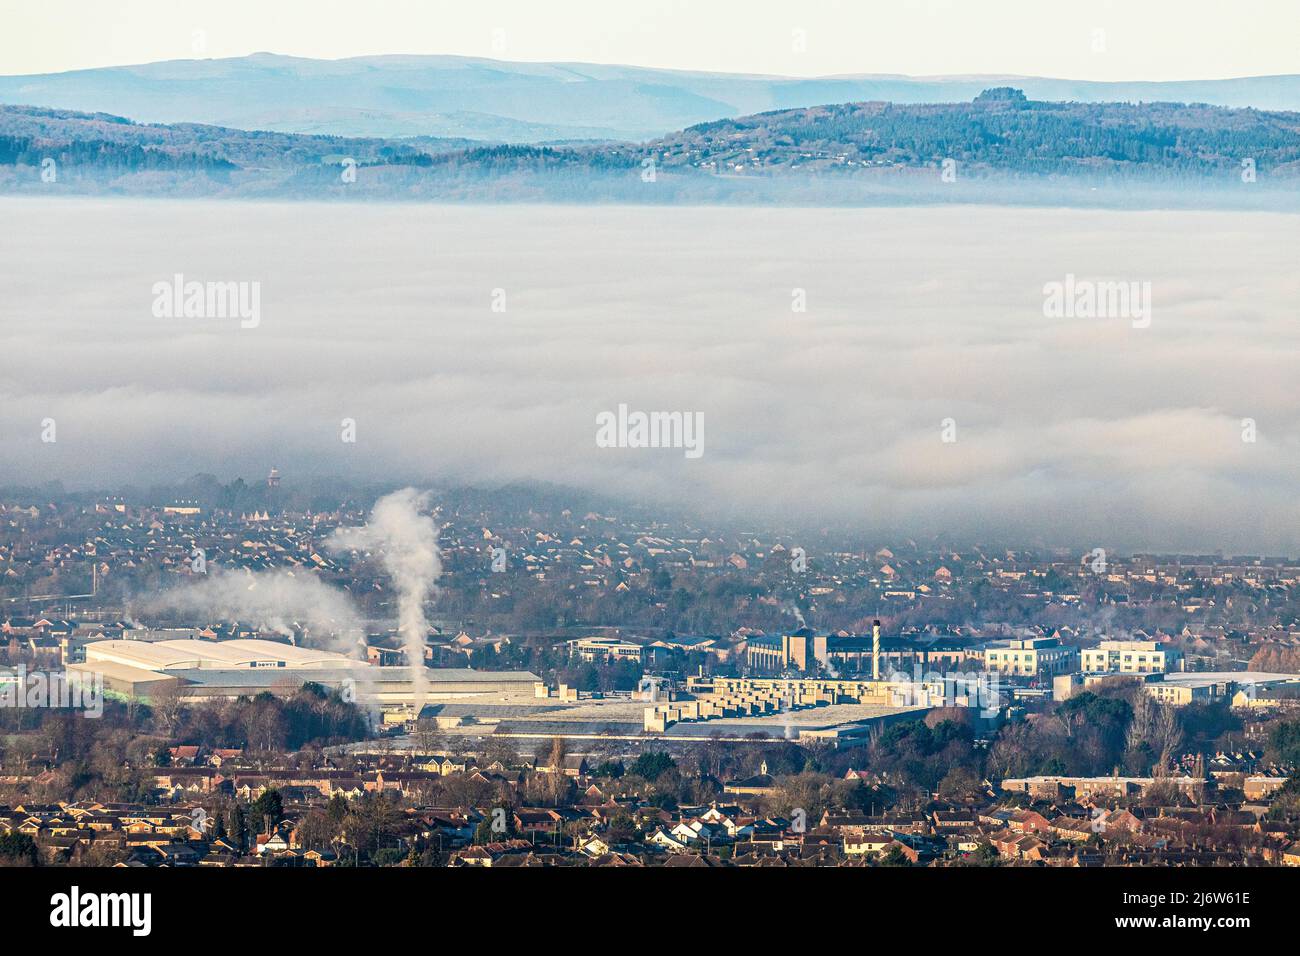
{"x": 875, "y": 650}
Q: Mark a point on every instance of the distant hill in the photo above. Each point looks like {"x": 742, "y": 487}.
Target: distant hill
{"x": 1002, "y": 147}
{"x": 471, "y": 98}
{"x": 46, "y": 128}
{"x": 1001, "y": 132}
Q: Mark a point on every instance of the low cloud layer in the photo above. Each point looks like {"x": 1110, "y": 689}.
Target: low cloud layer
{"x": 1081, "y": 431}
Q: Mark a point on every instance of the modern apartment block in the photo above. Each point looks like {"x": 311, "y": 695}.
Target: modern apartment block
{"x": 607, "y": 649}
{"x": 1130, "y": 657}
{"x": 1030, "y": 657}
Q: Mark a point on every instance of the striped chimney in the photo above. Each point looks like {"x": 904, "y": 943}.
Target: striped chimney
{"x": 875, "y": 650}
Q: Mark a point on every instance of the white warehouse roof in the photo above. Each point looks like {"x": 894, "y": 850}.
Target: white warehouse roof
{"x": 212, "y": 655}
{"x": 292, "y": 655}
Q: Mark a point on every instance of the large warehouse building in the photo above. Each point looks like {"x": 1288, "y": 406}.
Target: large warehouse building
{"x": 212, "y": 655}
{"x": 242, "y": 668}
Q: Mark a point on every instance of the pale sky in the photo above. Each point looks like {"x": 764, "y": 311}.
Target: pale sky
{"x": 1141, "y": 39}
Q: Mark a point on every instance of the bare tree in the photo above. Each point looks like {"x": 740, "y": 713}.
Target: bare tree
{"x": 168, "y": 703}
{"x": 1140, "y": 728}
{"x": 428, "y": 738}
{"x": 1167, "y": 735}
{"x": 557, "y": 754}
{"x": 1155, "y": 725}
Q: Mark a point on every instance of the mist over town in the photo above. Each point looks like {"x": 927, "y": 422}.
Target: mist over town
{"x": 1068, "y": 431}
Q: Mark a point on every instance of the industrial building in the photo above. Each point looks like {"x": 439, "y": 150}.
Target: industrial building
{"x": 805, "y": 651}
{"x": 858, "y": 704}
{"x": 1189, "y": 687}
{"x": 241, "y": 668}
{"x": 123, "y": 681}
{"x": 213, "y": 655}
{"x": 1180, "y": 688}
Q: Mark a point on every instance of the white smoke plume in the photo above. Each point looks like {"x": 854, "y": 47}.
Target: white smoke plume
{"x": 405, "y": 542}
{"x": 269, "y": 599}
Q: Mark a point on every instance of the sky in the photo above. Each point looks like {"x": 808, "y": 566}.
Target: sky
{"x": 918, "y": 325}
{"x": 1138, "y": 39}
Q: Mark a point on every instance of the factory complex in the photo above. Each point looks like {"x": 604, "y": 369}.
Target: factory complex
{"x": 514, "y": 704}
{"x": 200, "y": 669}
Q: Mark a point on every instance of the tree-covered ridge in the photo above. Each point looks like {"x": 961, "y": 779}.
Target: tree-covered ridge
{"x": 1000, "y": 131}
{"x": 108, "y": 156}
{"x": 40, "y": 129}
{"x": 846, "y": 153}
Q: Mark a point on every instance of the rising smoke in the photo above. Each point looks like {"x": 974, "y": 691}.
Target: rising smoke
{"x": 405, "y": 543}
{"x": 273, "y": 600}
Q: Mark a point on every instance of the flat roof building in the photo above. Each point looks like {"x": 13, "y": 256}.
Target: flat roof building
{"x": 607, "y": 649}
{"x": 804, "y": 651}
{"x": 1192, "y": 687}
{"x": 239, "y": 668}
{"x": 1129, "y": 657}
{"x": 1030, "y": 657}
{"x": 215, "y": 655}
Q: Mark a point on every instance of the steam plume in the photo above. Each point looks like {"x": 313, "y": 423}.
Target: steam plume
{"x": 269, "y": 599}
{"x": 406, "y": 544}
